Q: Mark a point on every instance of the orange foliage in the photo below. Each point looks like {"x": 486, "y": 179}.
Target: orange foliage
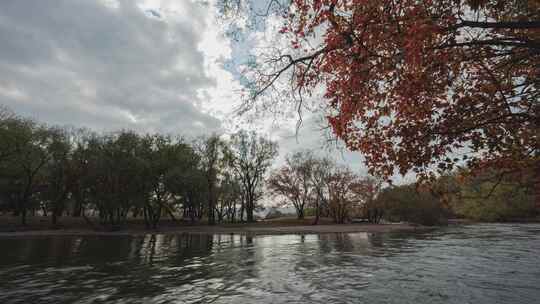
{"x": 415, "y": 85}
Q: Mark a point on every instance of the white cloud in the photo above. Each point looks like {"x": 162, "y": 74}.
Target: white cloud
{"x": 148, "y": 65}
{"x": 107, "y": 64}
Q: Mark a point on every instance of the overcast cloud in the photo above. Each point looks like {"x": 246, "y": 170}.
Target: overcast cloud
{"x": 105, "y": 66}
{"x": 149, "y": 65}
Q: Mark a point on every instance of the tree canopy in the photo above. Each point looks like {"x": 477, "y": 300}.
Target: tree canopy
{"x": 57, "y": 171}
{"x": 416, "y": 85}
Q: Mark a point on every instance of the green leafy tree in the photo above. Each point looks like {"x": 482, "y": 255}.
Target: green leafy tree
{"x": 212, "y": 152}
{"x": 22, "y": 171}
{"x": 411, "y": 204}
{"x": 56, "y": 173}
{"x": 185, "y": 181}
{"x": 490, "y": 196}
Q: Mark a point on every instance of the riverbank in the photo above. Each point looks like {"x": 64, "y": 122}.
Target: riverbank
{"x": 71, "y": 226}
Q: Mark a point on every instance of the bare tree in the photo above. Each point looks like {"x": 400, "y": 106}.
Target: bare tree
{"x": 211, "y": 150}
{"x": 250, "y": 156}
{"x": 366, "y": 190}
{"x": 322, "y": 170}
{"x": 343, "y": 198}
{"x": 294, "y": 181}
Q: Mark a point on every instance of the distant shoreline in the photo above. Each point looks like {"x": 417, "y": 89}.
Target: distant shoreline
{"x": 70, "y": 226}
{"x": 252, "y": 229}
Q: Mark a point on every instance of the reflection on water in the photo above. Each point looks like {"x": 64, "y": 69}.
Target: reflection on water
{"x": 470, "y": 264}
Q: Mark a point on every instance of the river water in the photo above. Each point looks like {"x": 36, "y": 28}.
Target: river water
{"x": 488, "y": 263}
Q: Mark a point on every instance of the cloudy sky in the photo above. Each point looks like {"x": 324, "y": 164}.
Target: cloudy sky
{"x": 151, "y": 66}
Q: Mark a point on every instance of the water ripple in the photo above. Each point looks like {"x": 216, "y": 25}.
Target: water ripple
{"x": 491, "y": 263}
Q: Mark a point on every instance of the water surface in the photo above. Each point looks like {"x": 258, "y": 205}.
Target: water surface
{"x": 490, "y": 263}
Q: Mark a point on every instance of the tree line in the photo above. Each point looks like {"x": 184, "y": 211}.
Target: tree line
{"x": 108, "y": 178}
{"x": 112, "y": 176}
{"x": 463, "y": 193}
{"x": 318, "y": 185}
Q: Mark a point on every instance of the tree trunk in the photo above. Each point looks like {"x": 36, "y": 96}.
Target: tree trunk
{"x": 192, "y": 214}
{"x": 200, "y": 211}
{"x": 157, "y": 216}
{"x": 249, "y": 212}
{"x": 211, "y": 205}
{"x": 23, "y": 216}
{"x": 146, "y": 217}
{"x": 317, "y": 214}
{"x": 77, "y": 210}
{"x": 249, "y": 207}
{"x": 54, "y": 218}
{"x": 22, "y": 206}
{"x": 242, "y": 210}
{"x": 300, "y": 213}
{"x": 233, "y": 213}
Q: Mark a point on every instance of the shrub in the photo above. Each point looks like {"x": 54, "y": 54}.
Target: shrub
{"x": 505, "y": 202}
{"x": 406, "y": 203}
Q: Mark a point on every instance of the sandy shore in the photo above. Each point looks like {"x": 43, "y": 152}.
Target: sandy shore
{"x": 248, "y": 229}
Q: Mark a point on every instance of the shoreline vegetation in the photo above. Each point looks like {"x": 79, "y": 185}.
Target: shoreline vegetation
{"x": 126, "y": 180}
{"x": 39, "y": 226}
